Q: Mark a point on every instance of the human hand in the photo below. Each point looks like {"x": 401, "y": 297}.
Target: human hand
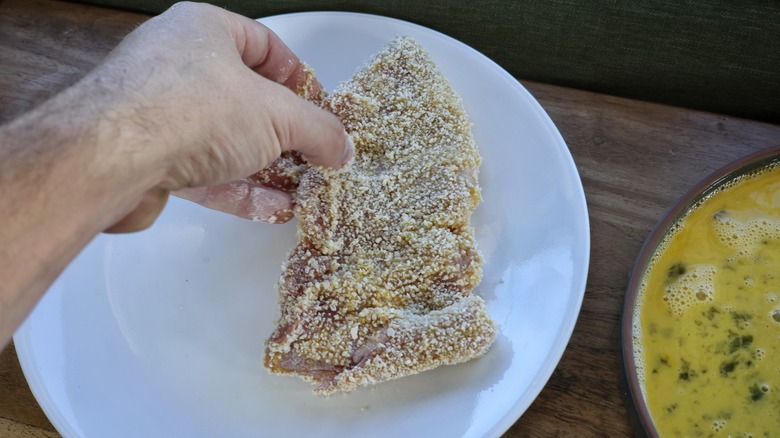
{"x": 210, "y": 92}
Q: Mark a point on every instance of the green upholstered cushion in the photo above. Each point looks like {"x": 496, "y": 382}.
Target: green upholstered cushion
{"x": 716, "y": 55}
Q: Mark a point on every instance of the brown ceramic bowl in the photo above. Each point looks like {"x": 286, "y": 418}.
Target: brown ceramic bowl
{"x": 634, "y": 397}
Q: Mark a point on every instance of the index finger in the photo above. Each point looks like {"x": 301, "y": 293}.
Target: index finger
{"x": 265, "y": 53}
{"x": 317, "y": 134}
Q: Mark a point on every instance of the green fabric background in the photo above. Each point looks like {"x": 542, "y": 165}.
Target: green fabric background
{"x": 717, "y": 55}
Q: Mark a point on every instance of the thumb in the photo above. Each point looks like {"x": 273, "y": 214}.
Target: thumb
{"x": 143, "y": 215}
{"x": 244, "y": 199}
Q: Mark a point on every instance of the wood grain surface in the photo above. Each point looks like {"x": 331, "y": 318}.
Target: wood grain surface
{"x": 635, "y": 159}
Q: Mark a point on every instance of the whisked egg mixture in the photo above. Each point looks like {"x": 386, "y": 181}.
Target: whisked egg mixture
{"x": 707, "y": 330}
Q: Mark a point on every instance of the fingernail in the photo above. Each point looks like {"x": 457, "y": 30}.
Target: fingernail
{"x": 349, "y": 150}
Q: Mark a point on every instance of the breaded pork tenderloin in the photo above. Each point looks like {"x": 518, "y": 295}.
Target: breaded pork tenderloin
{"x": 380, "y": 284}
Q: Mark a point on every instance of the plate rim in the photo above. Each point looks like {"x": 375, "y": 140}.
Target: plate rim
{"x": 554, "y": 355}
{"x": 577, "y": 288}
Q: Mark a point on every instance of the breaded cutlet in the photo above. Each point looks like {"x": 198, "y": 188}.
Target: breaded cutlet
{"x": 380, "y": 284}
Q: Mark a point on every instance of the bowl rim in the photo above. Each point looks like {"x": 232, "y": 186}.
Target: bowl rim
{"x": 638, "y": 410}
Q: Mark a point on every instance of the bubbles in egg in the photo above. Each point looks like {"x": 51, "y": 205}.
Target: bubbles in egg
{"x": 718, "y": 425}
{"x": 745, "y": 236}
{"x": 708, "y": 330}
{"x": 695, "y": 285}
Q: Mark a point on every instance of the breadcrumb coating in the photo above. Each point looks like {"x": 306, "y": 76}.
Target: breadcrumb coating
{"x": 380, "y": 283}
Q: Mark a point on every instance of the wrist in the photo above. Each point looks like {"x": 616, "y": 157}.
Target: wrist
{"x": 122, "y": 151}
{"x": 83, "y": 155}
{"x": 68, "y": 170}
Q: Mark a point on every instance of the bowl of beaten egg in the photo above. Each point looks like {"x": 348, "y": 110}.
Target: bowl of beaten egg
{"x": 701, "y": 320}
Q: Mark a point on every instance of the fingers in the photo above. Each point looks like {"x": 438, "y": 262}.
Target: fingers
{"x": 243, "y": 199}
{"x": 297, "y": 124}
{"x": 252, "y": 117}
{"x": 259, "y": 48}
{"x": 334, "y": 153}
{"x": 318, "y": 135}
{"x": 144, "y": 214}
{"x": 265, "y": 53}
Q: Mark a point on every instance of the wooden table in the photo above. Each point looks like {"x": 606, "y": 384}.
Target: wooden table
{"x": 635, "y": 158}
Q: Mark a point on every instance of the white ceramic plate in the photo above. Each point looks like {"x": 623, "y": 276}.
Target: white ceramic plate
{"x": 160, "y": 334}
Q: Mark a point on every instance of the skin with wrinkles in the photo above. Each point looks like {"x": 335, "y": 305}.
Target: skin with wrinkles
{"x": 193, "y": 98}
{"x": 267, "y": 194}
